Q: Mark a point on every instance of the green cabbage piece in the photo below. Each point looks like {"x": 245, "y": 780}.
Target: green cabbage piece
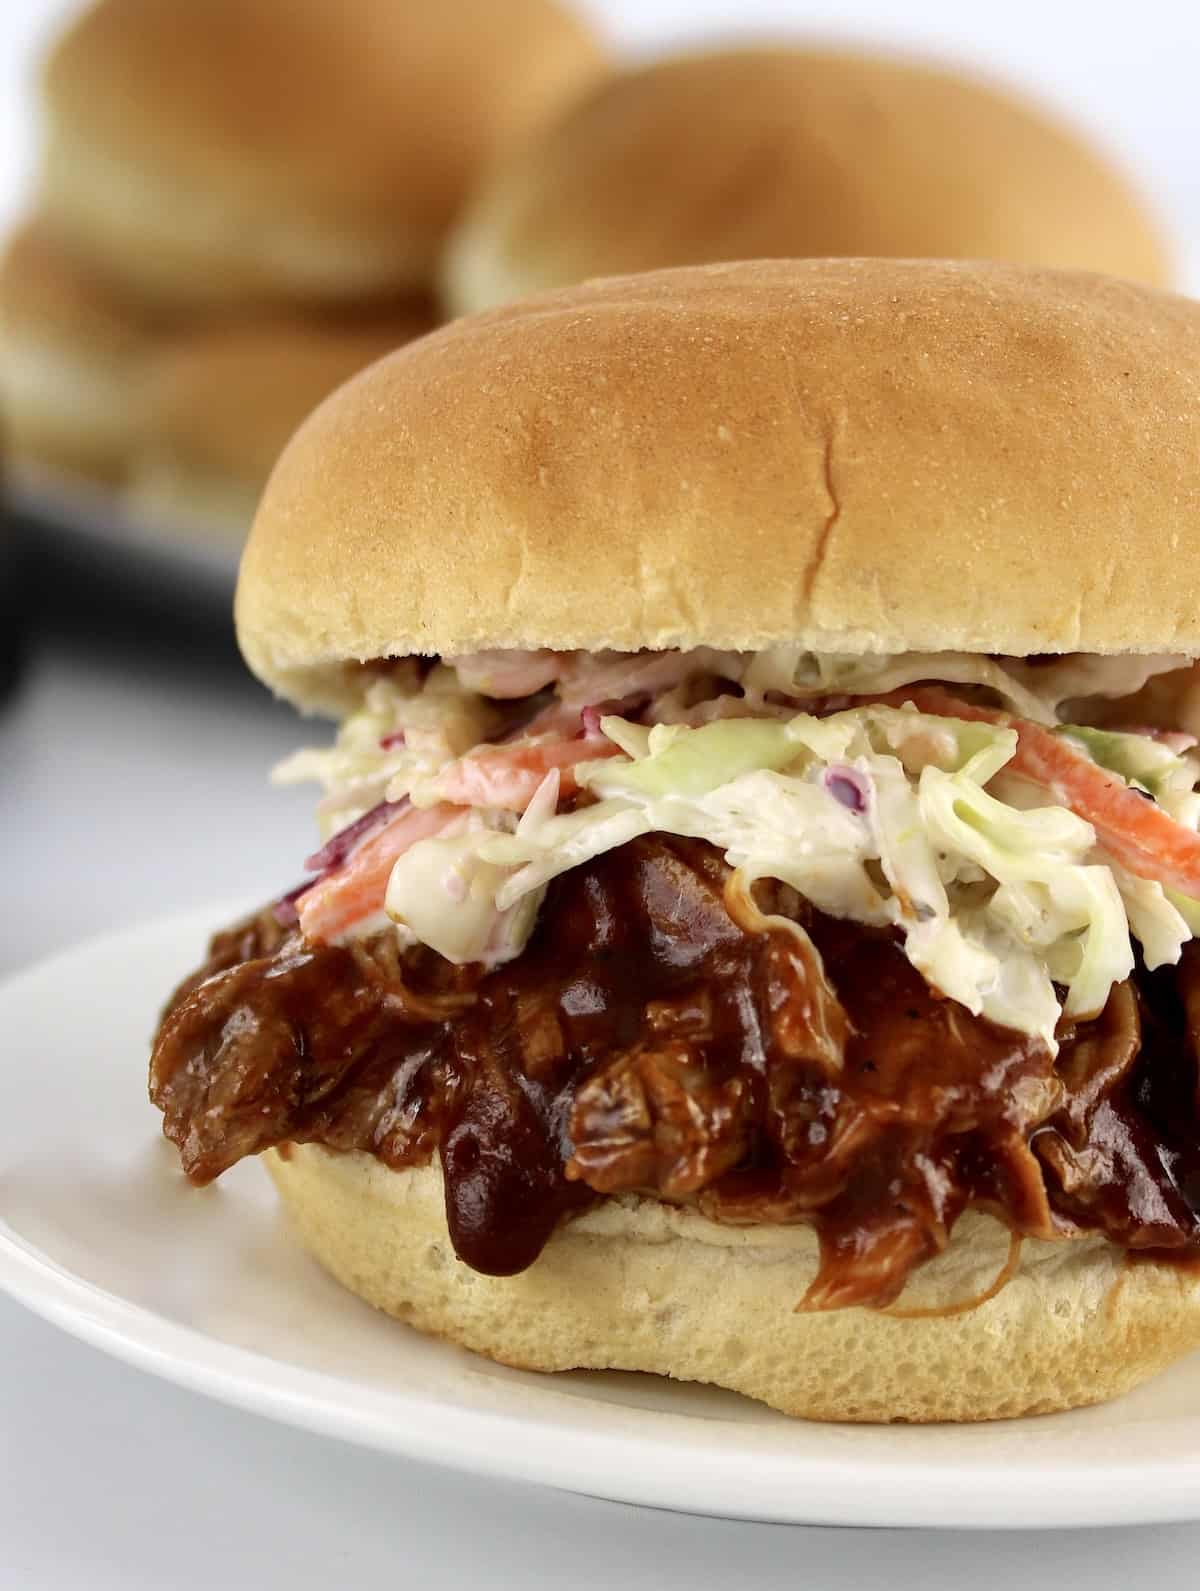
{"x": 691, "y": 762}
{"x": 1187, "y": 908}
{"x": 1048, "y": 897}
{"x": 1146, "y": 764}
{"x": 1137, "y": 758}
{"x": 676, "y": 761}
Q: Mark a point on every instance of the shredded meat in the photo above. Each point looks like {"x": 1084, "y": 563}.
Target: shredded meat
{"x": 664, "y": 1034}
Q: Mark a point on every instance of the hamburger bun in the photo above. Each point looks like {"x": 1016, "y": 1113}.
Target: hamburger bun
{"x": 756, "y": 153}
{"x": 72, "y": 352}
{"x": 217, "y": 406}
{"x": 848, "y": 455}
{"x": 633, "y": 1284}
{"x": 210, "y": 154}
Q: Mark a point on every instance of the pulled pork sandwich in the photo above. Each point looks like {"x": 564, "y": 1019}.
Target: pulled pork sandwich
{"x": 753, "y": 938}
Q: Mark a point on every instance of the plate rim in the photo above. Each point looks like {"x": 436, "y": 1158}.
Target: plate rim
{"x": 1031, "y": 1492}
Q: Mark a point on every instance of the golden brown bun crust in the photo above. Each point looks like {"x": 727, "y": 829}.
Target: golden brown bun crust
{"x": 218, "y": 405}
{"x": 212, "y": 153}
{"x": 635, "y": 1285}
{"x": 750, "y": 154}
{"x": 71, "y": 351}
{"x": 46, "y": 287}
{"x": 849, "y": 455}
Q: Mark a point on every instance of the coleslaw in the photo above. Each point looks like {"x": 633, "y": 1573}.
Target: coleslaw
{"x": 965, "y": 803}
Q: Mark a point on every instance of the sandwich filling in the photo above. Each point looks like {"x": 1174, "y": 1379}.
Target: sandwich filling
{"x": 852, "y": 941}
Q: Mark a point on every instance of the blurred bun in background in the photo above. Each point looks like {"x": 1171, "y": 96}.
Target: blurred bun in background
{"x": 210, "y": 154}
{"x": 71, "y": 348}
{"x": 239, "y": 203}
{"x": 217, "y": 406}
{"x": 757, "y": 153}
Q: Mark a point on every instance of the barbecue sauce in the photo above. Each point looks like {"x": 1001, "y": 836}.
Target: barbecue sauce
{"x": 647, "y": 1041}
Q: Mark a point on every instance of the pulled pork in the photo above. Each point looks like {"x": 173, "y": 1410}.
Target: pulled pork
{"x": 662, "y": 1033}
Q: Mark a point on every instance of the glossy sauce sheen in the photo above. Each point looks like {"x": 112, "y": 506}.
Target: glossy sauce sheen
{"x": 646, "y": 1041}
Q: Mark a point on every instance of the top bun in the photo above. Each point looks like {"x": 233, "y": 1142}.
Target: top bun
{"x": 218, "y": 152}
{"x": 768, "y": 153}
{"x": 851, "y": 455}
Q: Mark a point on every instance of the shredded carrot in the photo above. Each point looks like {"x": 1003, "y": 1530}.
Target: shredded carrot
{"x": 503, "y": 776}
{"x": 1136, "y": 832}
{"x": 507, "y": 776}
{"x": 356, "y": 890}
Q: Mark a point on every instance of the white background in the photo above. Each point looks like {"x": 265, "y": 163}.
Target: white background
{"x": 128, "y": 788}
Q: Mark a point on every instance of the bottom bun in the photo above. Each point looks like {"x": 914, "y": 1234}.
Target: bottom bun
{"x": 637, "y": 1285}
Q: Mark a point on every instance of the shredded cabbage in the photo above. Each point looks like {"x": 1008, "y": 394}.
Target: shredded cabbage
{"x": 1188, "y": 909}
{"x": 1161, "y": 921}
{"x": 885, "y": 815}
{"x": 444, "y": 891}
{"x": 996, "y": 905}
{"x": 1059, "y": 910}
{"x": 405, "y": 730}
{"x": 671, "y": 760}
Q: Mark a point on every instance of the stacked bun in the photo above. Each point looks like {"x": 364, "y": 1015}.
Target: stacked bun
{"x": 318, "y": 150}
{"x": 219, "y": 403}
{"x": 785, "y": 153}
{"x": 278, "y": 179}
{"x": 73, "y": 348}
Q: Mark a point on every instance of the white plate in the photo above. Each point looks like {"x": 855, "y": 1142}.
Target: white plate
{"x": 99, "y": 1233}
